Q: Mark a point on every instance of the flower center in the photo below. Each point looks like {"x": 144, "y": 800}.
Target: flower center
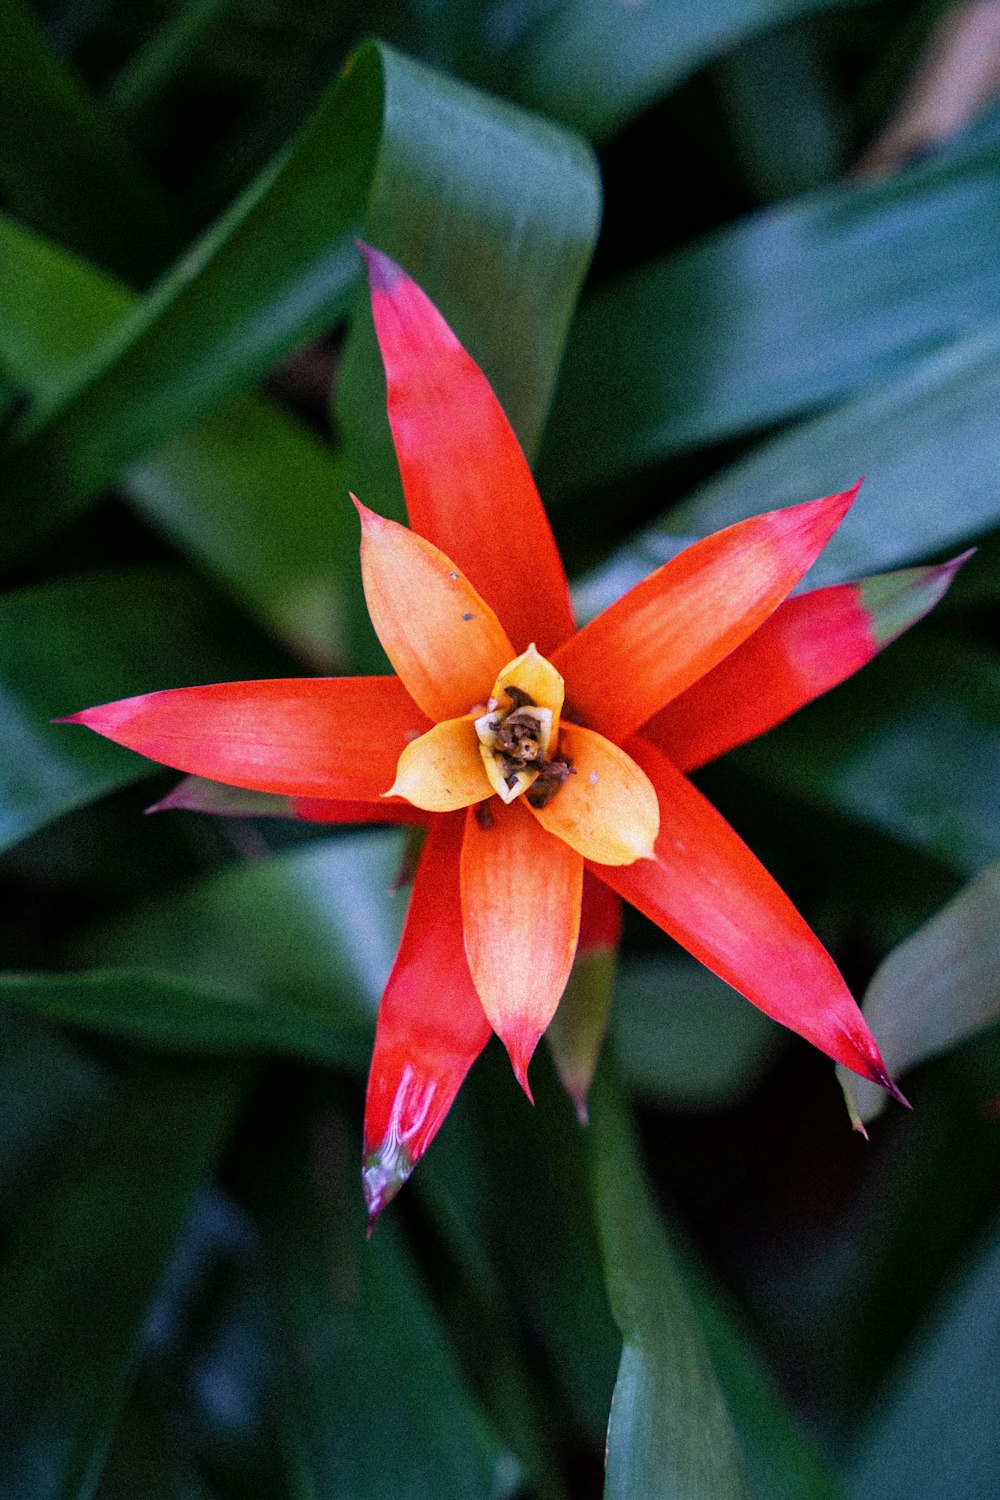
{"x": 515, "y": 739}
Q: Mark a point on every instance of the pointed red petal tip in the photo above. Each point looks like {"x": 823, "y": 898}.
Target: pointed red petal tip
{"x": 521, "y": 1041}
{"x": 71, "y": 718}
{"x": 383, "y": 272}
{"x": 383, "y": 1173}
{"x": 879, "y": 1075}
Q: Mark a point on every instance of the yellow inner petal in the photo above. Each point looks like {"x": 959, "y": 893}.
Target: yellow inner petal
{"x": 607, "y": 809}
{"x": 442, "y": 770}
{"x": 539, "y": 679}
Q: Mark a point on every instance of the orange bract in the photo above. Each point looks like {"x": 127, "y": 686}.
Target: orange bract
{"x": 526, "y": 763}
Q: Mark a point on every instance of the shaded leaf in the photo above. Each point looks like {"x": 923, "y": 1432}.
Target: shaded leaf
{"x": 938, "y": 1430}
{"x": 669, "y": 1432}
{"x": 772, "y": 317}
{"x": 596, "y": 67}
{"x": 494, "y": 213}
{"x": 374, "y": 1403}
{"x": 937, "y": 988}
{"x": 783, "y": 1461}
{"x": 910, "y": 745}
{"x": 274, "y": 272}
{"x": 309, "y": 935}
{"x": 84, "y": 640}
{"x": 927, "y": 444}
{"x": 156, "y": 1011}
{"x": 250, "y": 492}
{"x": 684, "y": 1039}
{"x": 63, "y": 164}
{"x": 76, "y": 1285}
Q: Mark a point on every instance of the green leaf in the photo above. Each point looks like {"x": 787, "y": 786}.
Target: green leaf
{"x": 783, "y": 1462}
{"x": 63, "y": 165}
{"x": 301, "y": 942}
{"x": 47, "y": 1088}
{"x": 786, "y": 121}
{"x": 936, "y": 1431}
{"x": 274, "y": 272}
{"x": 144, "y": 1460}
{"x": 909, "y": 746}
{"x": 374, "y": 1403}
{"x": 153, "y": 66}
{"x": 495, "y": 214}
{"x": 590, "y": 65}
{"x": 927, "y": 444}
{"x": 669, "y": 1432}
{"x": 937, "y": 988}
{"x": 250, "y": 492}
{"x": 805, "y": 304}
{"x": 683, "y": 1038}
{"x": 79, "y": 641}
{"x": 158, "y": 1011}
{"x": 80, "y": 1274}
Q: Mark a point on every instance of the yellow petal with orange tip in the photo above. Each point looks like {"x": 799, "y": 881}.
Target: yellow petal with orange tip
{"x": 534, "y": 675}
{"x": 443, "y": 640}
{"x": 442, "y": 770}
{"x": 607, "y": 810}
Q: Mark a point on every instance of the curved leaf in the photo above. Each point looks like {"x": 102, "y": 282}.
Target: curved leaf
{"x": 310, "y": 934}
{"x": 280, "y": 266}
{"x": 76, "y": 1285}
{"x": 64, "y": 165}
{"x": 927, "y": 443}
{"x": 669, "y": 1432}
{"x": 102, "y": 634}
{"x": 782, "y": 312}
{"x": 936, "y": 1432}
{"x": 158, "y": 1011}
{"x": 596, "y": 66}
{"x": 935, "y": 989}
{"x": 250, "y": 491}
{"x": 373, "y": 1402}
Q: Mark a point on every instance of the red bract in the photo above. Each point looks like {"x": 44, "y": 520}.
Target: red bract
{"x": 539, "y": 756}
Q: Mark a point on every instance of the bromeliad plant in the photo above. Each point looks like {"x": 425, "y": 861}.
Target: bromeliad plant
{"x": 548, "y": 763}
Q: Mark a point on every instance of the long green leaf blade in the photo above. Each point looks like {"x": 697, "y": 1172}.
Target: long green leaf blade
{"x": 64, "y": 165}
{"x": 935, "y": 989}
{"x": 596, "y": 66}
{"x": 77, "y": 1282}
{"x": 669, "y": 1432}
{"x": 89, "y": 639}
{"x": 783, "y": 312}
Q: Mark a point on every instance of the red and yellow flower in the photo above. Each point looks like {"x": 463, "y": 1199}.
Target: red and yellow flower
{"x": 548, "y": 763}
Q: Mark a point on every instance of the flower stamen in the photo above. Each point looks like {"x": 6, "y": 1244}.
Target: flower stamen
{"x": 514, "y": 744}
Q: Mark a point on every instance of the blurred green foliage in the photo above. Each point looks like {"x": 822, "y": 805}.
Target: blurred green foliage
{"x": 188, "y": 387}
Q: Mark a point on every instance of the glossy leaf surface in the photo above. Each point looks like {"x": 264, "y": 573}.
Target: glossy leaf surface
{"x": 669, "y": 1431}
{"x": 249, "y": 492}
{"x": 89, "y": 637}
{"x": 373, "y": 1401}
{"x": 722, "y": 338}
{"x": 82, "y": 1271}
{"x": 925, "y": 439}
{"x": 937, "y": 988}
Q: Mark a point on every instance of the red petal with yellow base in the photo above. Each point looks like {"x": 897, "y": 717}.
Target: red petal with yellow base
{"x": 431, "y": 1026}
{"x": 707, "y": 890}
{"x": 679, "y": 623}
{"x": 467, "y": 484}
